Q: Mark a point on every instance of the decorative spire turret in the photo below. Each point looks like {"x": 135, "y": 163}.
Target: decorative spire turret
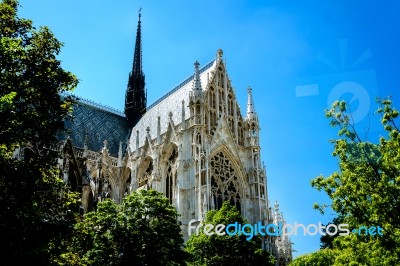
{"x": 196, "y": 80}
{"x": 136, "y": 96}
{"x": 251, "y": 113}
{"x": 220, "y": 53}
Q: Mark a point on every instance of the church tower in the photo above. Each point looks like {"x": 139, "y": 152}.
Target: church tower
{"x": 135, "y": 98}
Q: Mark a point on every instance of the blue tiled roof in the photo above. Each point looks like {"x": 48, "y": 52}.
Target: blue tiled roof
{"x": 97, "y": 124}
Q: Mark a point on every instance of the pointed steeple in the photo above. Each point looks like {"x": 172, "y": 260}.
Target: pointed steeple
{"x": 135, "y": 98}
{"x": 196, "y": 81}
{"x": 251, "y": 113}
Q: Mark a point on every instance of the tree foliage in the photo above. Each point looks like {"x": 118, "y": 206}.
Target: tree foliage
{"x": 225, "y": 249}
{"x": 327, "y": 239}
{"x": 30, "y": 82}
{"x": 143, "y": 230}
{"x": 366, "y": 189}
{"x": 36, "y": 207}
{"x": 323, "y": 257}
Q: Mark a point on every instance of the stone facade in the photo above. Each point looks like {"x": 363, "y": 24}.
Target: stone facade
{"x": 194, "y": 145}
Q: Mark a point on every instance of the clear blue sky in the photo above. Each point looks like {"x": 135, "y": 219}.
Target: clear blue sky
{"x": 296, "y": 55}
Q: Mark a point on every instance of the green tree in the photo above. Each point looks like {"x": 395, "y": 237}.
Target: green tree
{"x": 225, "y": 249}
{"x": 366, "y": 189}
{"x": 327, "y": 239}
{"x": 143, "y": 230}
{"x": 35, "y": 213}
{"x": 323, "y": 257}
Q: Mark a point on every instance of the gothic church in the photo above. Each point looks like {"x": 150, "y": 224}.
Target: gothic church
{"x": 193, "y": 144}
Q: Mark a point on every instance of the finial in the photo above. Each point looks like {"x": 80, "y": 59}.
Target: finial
{"x": 120, "y": 147}
{"x": 85, "y": 145}
{"x": 183, "y": 115}
{"x": 196, "y": 79}
{"x": 276, "y": 205}
{"x": 220, "y": 53}
{"x": 120, "y": 154}
{"x": 158, "y": 130}
{"x": 105, "y": 144}
{"x": 86, "y": 138}
{"x": 250, "y": 104}
{"x": 140, "y": 12}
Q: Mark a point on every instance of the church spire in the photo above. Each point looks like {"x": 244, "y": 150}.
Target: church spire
{"x": 135, "y": 98}
{"x": 251, "y": 113}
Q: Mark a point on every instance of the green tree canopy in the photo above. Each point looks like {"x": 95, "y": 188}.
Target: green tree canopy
{"x": 225, "y": 249}
{"x": 323, "y": 257}
{"x": 365, "y": 191}
{"x": 35, "y": 213}
{"x": 32, "y": 111}
{"x": 143, "y": 230}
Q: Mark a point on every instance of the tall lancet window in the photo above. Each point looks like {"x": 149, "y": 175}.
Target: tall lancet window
{"x": 224, "y": 182}
{"x": 212, "y": 110}
{"x": 240, "y": 132}
{"x": 171, "y": 174}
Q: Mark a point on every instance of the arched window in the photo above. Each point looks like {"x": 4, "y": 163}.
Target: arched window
{"x": 212, "y": 97}
{"x": 253, "y": 129}
{"x": 171, "y": 174}
{"x": 196, "y": 143}
{"x": 230, "y": 105}
{"x": 224, "y": 182}
{"x": 240, "y": 133}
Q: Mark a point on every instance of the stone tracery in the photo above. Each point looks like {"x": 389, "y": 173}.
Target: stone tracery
{"x": 225, "y": 185}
